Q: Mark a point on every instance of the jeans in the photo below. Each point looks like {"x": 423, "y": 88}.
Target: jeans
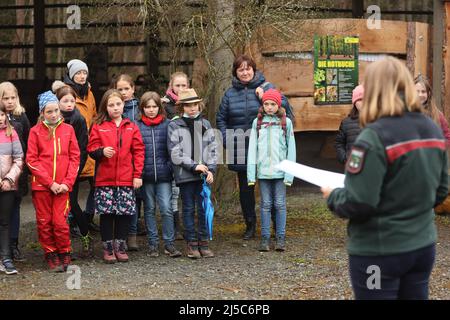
{"x": 160, "y": 193}
{"x": 190, "y": 197}
{"x": 273, "y": 193}
{"x": 402, "y": 276}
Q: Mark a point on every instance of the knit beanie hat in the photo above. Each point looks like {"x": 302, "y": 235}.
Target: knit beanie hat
{"x": 46, "y": 98}
{"x": 272, "y": 94}
{"x": 76, "y": 65}
{"x": 358, "y": 94}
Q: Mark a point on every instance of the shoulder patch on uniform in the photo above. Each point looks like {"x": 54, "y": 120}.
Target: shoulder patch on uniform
{"x": 355, "y": 161}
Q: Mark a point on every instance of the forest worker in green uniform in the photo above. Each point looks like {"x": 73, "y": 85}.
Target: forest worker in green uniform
{"x": 395, "y": 175}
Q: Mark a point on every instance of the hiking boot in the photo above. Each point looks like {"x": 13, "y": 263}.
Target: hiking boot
{"x": 7, "y": 267}
{"x": 280, "y": 244}
{"x": 108, "y": 252}
{"x": 204, "y": 250}
{"x": 264, "y": 245}
{"x": 132, "y": 242}
{"x": 15, "y": 252}
{"x": 250, "y": 230}
{"x": 171, "y": 251}
{"x": 86, "y": 246}
{"x": 65, "y": 259}
{"x": 120, "y": 251}
{"x": 153, "y": 251}
{"x": 192, "y": 250}
{"x": 53, "y": 262}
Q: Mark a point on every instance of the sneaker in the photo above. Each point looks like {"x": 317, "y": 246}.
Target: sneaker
{"x": 204, "y": 250}
{"x": 264, "y": 245}
{"x": 280, "y": 244}
{"x": 192, "y": 250}
{"x": 153, "y": 251}
{"x": 108, "y": 252}
{"x": 86, "y": 246}
{"x": 171, "y": 251}
{"x": 120, "y": 251}
{"x": 7, "y": 267}
{"x": 65, "y": 259}
{"x": 53, "y": 262}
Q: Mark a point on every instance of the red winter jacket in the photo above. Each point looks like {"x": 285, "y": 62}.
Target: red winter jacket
{"x": 52, "y": 157}
{"x": 128, "y": 161}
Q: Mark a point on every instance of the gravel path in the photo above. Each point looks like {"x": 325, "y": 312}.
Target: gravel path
{"x": 313, "y": 267}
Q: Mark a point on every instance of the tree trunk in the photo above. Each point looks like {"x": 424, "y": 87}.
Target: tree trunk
{"x": 222, "y": 60}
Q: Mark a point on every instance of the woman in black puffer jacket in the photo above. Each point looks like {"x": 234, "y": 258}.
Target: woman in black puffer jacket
{"x": 349, "y": 128}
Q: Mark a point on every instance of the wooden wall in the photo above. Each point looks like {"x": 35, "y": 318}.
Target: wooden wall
{"x": 294, "y": 77}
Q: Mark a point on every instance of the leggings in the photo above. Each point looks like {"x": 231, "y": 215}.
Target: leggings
{"x": 114, "y": 226}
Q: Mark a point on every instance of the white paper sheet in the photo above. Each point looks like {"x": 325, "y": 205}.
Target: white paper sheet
{"x": 321, "y": 178}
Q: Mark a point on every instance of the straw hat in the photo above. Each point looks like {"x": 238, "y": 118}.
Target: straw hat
{"x": 188, "y": 96}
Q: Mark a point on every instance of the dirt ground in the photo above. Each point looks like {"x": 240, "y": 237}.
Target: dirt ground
{"x": 313, "y": 267}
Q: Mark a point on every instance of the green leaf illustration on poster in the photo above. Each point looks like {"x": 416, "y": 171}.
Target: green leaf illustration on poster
{"x": 335, "y": 69}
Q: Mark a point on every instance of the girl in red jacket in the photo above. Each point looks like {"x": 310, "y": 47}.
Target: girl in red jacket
{"x": 116, "y": 145}
{"x": 53, "y": 158}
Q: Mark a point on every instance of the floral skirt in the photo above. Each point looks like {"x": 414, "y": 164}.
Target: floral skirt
{"x": 115, "y": 200}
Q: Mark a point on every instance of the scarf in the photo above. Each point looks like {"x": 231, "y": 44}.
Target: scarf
{"x": 80, "y": 89}
{"x": 152, "y": 121}
{"x": 172, "y": 94}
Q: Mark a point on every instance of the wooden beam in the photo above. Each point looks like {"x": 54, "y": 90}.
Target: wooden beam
{"x": 438, "y": 38}
{"x": 39, "y": 40}
{"x": 309, "y": 117}
{"x": 357, "y": 8}
{"x": 446, "y": 61}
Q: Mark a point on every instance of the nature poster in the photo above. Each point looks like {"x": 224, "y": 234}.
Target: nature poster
{"x": 335, "y": 68}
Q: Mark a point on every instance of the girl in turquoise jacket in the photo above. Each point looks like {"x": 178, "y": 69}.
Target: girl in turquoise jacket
{"x": 271, "y": 141}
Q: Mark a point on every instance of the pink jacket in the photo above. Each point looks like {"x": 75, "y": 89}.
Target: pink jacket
{"x": 445, "y": 129}
{"x": 11, "y": 158}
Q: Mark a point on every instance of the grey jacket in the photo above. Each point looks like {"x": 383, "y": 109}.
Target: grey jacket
{"x": 180, "y": 149}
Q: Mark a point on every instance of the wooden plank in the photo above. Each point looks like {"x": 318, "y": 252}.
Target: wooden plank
{"x": 421, "y": 49}
{"x": 446, "y": 61}
{"x": 309, "y": 117}
{"x": 391, "y": 38}
{"x": 295, "y": 77}
{"x": 39, "y": 39}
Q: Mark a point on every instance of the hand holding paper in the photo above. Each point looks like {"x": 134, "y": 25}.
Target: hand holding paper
{"x": 321, "y": 178}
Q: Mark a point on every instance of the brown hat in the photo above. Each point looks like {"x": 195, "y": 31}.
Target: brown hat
{"x": 188, "y": 96}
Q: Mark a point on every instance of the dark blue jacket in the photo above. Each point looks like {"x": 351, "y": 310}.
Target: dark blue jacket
{"x": 238, "y": 109}
{"x": 157, "y": 164}
{"x": 131, "y": 110}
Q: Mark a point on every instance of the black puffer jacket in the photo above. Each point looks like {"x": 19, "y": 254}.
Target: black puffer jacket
{"x": 348, "y": 132}
{"x": 22, "y": 126}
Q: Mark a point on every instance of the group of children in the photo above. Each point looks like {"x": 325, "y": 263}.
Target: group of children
{"x": 143, "y": 151}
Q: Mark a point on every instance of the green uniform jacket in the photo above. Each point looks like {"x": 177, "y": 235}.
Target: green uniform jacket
{"x": 269, "y": 148}
{"x": 396, "y": 174}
